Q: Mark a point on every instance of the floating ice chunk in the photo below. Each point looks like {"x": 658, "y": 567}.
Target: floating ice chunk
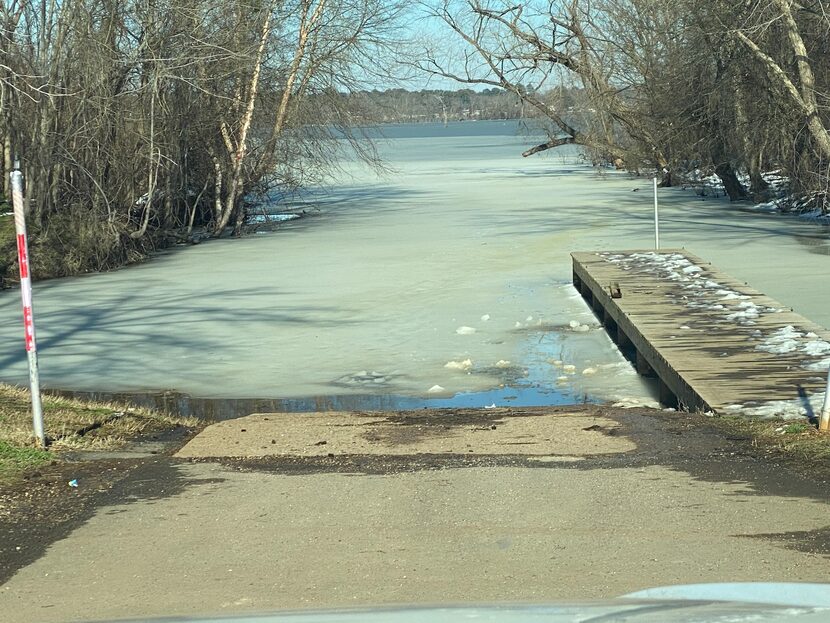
{"x": 529, "y": 319}
{"x": 435, "y": 389}
{"x": 684, "y": 327}
{"x": 518, "y": 325}
{"x": 459, "y": 365}
{"x": 569, "y": 368}
{"x": 465, "y": 330}
{"x": 573, "y": 324}
{"x": 589, "y": 371}
{"x": 492, "y": 406}
{"x": 556, "y": 362}
{"x": 502, "y": 363}
{"x": 485, "y": 317}
{"x": 691, "y": 270}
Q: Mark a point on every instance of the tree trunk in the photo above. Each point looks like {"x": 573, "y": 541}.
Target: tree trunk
{"x": 731, "y": 184}
{"x": 236, "y": 184}
{"x": 552, "y": 143}
{"x": 758, "y": 187}
{"x": 804, "y": 97}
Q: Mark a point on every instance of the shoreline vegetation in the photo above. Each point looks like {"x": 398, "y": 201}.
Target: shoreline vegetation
{"x": 73, "y": 426}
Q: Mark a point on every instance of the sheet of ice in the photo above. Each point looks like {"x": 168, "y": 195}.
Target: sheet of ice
{"x": 382, "y": 278}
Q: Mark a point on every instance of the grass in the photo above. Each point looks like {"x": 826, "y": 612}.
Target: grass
{"x": 71, "y": 425}
{"x": 15, "y": 460}
{"x": 797, "y": 440}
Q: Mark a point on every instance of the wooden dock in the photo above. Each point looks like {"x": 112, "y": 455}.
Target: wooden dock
{"x": 714, "y": 343}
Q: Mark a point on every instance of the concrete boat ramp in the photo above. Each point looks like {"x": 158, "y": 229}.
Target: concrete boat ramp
{"x": 537, "y": 434}
{"x": 714, "y": 343}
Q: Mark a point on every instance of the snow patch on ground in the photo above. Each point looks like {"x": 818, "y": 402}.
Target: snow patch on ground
{"x": 795, "y": 409}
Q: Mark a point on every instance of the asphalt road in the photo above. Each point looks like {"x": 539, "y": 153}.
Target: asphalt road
{"x": 276, "y": 511}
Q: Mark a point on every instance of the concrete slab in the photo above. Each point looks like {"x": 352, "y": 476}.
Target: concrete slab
{"x": 499, "y": 431}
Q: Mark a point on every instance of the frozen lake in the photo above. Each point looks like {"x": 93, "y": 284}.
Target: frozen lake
{"x": 461, "y": 253}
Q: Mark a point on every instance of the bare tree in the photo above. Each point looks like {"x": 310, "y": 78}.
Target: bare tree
{"x": 137, "y": 119}
{"x": 510, "y": 45}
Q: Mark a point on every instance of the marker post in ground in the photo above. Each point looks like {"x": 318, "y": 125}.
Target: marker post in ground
{"x": 26, "y": 295}
{"x": 656, "y": 218}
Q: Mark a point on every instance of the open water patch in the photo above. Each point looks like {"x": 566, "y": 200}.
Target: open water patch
{"x": 541, "y": 377}
{"x": 179, "y": 403}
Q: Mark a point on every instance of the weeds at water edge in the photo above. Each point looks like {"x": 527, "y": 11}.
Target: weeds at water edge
{"x": 71, "y": 424}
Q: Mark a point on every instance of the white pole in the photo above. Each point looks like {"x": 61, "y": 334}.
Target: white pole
{"x": 656, "y": 218}
{"x": 824, "y": 420}
{"x": 26, "y": 295}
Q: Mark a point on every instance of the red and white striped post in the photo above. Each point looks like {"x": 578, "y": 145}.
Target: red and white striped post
{"x": 26, "y": 295}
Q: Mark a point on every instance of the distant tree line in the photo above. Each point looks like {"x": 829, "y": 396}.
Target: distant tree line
{"x": 436, "y": 105}
{"x": 734, "y": 87}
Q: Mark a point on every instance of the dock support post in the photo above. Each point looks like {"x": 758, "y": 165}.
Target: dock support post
{"x": 666, "y": 395}
{"x": 643, "y": 366}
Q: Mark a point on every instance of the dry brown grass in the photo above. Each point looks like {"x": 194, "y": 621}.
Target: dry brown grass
{"x": 70, "y": 424}
{"x": 798, "y": 440}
